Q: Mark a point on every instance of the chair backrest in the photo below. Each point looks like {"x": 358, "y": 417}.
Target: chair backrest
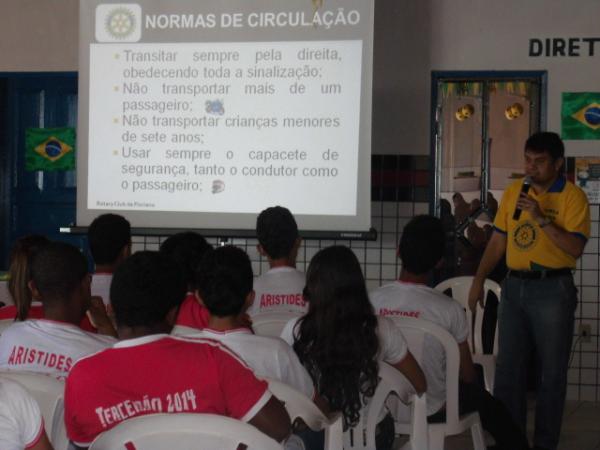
{"x": 299, "y": 406}
{"x": 183, "y": 432}
{"x": 271, "y": 323}
{"x": 414, "y": 331}
{"x": 49, "y": 393}
{"x": 391, "y": 381}
{"x": 459, "y": 287}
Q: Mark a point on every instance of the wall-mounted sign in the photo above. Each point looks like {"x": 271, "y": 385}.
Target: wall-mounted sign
{"x": 567, "y": 47}
{"x": 587, "y": 177}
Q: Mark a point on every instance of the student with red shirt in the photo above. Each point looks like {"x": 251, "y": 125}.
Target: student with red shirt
{"x": 187, "y": 250}
{"x": 164, "y": 374}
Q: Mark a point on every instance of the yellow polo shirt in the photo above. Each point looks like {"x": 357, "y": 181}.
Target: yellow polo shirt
{"x": 528, "y": 247}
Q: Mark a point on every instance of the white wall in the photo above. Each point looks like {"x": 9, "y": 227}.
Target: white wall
{"x": 39, "y": 35}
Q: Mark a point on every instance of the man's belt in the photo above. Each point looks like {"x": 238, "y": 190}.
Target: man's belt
{"x": 539, "y": 274}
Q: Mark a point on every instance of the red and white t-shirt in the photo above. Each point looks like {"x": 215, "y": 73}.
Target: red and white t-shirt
{"x": 192, "y": 316}
{"x": 268, "y": 357}
{"x": 279, "y": 289}
{"x": 101, "y": 286}
{"x": 36, "y": 311}
{"x": 10, "y": 311}
{"x": 21, "y": 423}
{"x": 158, "y": 374}
{"x": 48, "y": 347}
{"x": 422, "y": 302}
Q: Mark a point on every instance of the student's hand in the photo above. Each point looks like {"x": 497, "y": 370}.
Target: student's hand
{"x": 476, "y": 294}
{"x": 99, "y": 317}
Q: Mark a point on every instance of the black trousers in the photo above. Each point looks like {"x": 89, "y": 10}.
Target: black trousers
{"x": 495, "y": 418}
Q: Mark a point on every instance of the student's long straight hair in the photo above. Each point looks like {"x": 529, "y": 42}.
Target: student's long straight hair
{"x": 336, "y": 339}
{"x": 19, "y": 271}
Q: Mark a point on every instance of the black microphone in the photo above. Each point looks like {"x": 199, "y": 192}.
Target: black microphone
{"x": 525, "y": 190}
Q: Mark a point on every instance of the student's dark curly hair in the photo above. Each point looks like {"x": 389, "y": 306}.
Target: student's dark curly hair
{"x": 337, "y": 340}
{"x": 187, "y": 250}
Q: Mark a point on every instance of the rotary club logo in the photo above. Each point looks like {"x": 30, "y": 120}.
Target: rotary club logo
{"x": 525, "y": 236}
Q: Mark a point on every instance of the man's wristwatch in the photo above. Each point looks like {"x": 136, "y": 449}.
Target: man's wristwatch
{"x": 545, "y": 221}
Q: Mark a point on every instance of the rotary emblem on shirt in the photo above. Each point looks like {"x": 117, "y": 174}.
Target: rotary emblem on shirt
{"x": 525, "y": 236}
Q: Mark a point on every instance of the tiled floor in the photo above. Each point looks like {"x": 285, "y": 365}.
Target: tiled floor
{"x": 580, "y": 430}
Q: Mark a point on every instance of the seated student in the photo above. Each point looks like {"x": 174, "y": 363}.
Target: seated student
{"x": 51, "y": 345}
{"x": 19, "y": 273}
{"x": 21, "y": 423}
{"x": 340, "y": 339}
{"x": 109, "y": 239}
{"x": 225, "y": 287}
{"x": 421, "y": 250}
{"x": 279, "y": 289}
{"x": 187, "y": 250}
{"x": 203, "y": 375}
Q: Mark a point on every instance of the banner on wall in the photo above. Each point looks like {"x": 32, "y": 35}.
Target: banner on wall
{"x": 580, "y": 115}
{"x": 50, "y": 149}
{"x": 587, "y": 177}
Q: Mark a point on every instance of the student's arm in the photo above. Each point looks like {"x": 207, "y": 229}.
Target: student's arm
{"x": 273, "y": 420}
{"x": 99, "y": 317}
{"x": 493, "y": 252}
{"x": 411, "y": 370}
{"x": 322, "y": 404}
{"x": 467, "y": 370}
{"x": 42, "y": 444}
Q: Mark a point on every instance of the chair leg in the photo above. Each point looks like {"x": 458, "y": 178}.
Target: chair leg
{"x": 477, "y": 435}
{"x": 436, "y": 440}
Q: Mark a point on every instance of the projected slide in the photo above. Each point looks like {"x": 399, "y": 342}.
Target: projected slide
{"x": 201, "y": 117}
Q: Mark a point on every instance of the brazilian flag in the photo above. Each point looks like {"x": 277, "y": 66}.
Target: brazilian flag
{"x": 50, "y": 149}
{"x": 580, "y": 115}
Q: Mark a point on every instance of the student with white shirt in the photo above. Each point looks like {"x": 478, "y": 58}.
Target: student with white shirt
{"x": 109, "y": 239}
{"x": 150, "y": 372}
{"x": 280, "y": 288}
{"x": 421, "y": 250}
{"x": 225, "y": 287}
{"x": 21, "y": 422}
{"x": 51, "y": 345}
{"x": 340, "y": 339}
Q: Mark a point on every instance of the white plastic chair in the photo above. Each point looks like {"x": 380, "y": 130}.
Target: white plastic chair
{"x": 271, "y": 323}
{"x": 459, "y": 287}
{"x": 300, "y": 406}
{"x": 49, "y": 393}
{"x": 362, "y": 436}
{"x": 183, "y": 432}
{"x": 414, "y": 331}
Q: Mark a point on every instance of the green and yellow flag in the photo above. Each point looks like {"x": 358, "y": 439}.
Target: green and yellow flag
{"x": 49, "y": 149}
{"x": 580, "y": 115}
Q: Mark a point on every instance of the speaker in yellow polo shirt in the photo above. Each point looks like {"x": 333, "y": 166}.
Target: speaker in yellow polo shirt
{"x": 542, "y": 226}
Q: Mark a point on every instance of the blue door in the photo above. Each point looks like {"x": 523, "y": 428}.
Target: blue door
{"x": 36, "y": 202}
